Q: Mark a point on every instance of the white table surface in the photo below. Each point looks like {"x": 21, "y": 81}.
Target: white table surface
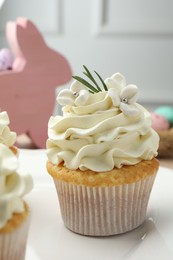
{"x": 50, "y": 240}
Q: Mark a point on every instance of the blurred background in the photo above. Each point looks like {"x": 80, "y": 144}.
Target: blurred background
{"x": 133, "y": 37}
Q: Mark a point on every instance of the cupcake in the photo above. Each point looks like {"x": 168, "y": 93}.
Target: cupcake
{"x": 14, "y": 212}
{"x": 101, "y": 155}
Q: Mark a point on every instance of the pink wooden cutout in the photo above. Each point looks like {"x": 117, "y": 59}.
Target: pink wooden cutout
{"x": 27, "y": 92}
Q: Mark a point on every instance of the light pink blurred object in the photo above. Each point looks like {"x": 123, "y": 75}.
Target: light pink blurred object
{"x": 6, "y": 59}
{"x": 28, "y": 90}
{"x": 159, "y": 123}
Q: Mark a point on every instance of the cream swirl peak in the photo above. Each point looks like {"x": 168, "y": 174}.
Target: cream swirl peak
{"x": 101, "y": 129}
{"x": 7, "y": 137}
{"x": 12, "y": 186}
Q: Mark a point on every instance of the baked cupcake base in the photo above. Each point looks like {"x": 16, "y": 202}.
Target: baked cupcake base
{"x": 13, "y": 236}
{"x": 101, "y": 208}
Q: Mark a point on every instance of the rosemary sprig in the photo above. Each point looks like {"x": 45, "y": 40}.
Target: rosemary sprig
{"x": 104, "y": 85}
{"x": 89, "y": 75}
{"x": 86, "y": 83}
{"x": 92, "y": 89}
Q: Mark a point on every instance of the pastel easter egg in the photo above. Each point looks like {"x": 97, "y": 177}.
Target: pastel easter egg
{"x": 6, "y": 59}
{"x": 165, "y": 111}
{"x": 159, "y": 123}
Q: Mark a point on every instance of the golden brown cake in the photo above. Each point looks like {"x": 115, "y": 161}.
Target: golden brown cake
{"x": 126, "y": 175}
{"x": 101, "y": 155}
{"x": 16, "y": 220}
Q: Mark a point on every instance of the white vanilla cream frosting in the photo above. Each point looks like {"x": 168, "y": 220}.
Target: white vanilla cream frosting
{"x": 7, "y": 137}
{"x": 103, "y": 130}
{"x": 13, "y": 186}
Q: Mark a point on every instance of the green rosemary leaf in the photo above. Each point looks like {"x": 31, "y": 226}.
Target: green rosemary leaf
{"x": 89, "y": 75}
{"x": 102, "y": 81}
{"x": 86, "y": 83}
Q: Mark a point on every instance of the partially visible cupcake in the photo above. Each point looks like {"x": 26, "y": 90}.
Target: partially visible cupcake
{"x": 7, "y": 136}
{"x": 101, "y": 155}
{"x": 14, "y": 212}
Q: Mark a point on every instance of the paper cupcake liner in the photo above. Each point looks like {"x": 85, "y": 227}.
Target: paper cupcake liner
{"x": 13, "y": 244}
{"x": 104, "y": 211}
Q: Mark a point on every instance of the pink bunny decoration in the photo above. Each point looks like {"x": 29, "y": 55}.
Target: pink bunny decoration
{"x": 27, "y": 92}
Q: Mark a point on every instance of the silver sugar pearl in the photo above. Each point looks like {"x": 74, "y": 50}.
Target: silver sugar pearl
{"x": 76, "y": 94}
{"x": 124, "y": 100}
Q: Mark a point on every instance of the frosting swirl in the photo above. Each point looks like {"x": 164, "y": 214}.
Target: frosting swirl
{"x": 7, "y": 137}
{"x": 12, "y": 186}
{"x": 100, "y": 135}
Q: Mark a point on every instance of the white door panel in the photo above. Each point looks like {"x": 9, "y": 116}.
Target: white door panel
{"x": 133, "y": 37}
